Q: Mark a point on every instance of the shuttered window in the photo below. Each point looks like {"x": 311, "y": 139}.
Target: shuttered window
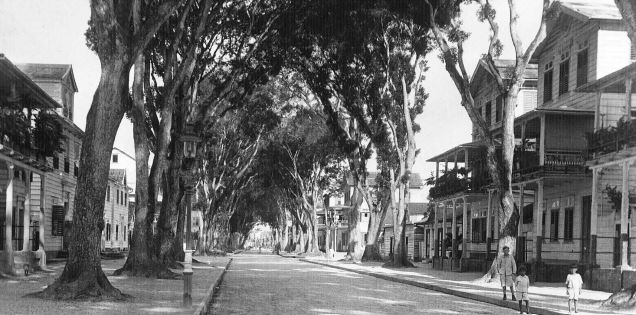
{"x": 581, "y": 67}
{"x": 547, "y": 85}
{"x": 479, "y": 230}
{"x": 67, "y": 166}
{"x": 488, "y": 113}
{"x": 568, "y": 224}
{"x": 564, "y": 76}
{"x": 554, "y": 225}
{"x": 56, "y": 162}
{"x": 57, "y": 220}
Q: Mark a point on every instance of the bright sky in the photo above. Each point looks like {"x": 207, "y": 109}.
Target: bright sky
{"x": 35, "y": 31}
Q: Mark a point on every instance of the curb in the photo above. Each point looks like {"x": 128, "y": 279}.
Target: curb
{"x": 207, "y": 301}
{"x": 467, "y": 295}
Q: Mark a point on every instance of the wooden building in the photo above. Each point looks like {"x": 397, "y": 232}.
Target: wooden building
{"x": 566, "y": 162}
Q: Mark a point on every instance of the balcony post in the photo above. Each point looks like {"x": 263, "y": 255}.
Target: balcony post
{"x": 597, "y": 111}
{"x": 520, "y": 238}
{"x": 465, "y": 252}
{"x": 489, "y": 224}
{"x": 436, "y": 171}
{"x": 624, "y": 217}
{"x": 538, "y": 221}
{"x": 8, "y": 219}
{"x": 628, "y": 97}
{"x": 26, "y": 216}
{"x": 435, "y": 238}
{"x": 455, "y": 159}
{"x": 454, "y": 234}
{"x": 594, "y": 215}
{"x": 542, "y": 141}
{"x": 443, "y": 230}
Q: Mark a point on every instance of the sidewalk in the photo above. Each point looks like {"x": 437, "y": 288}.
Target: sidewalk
{"x": 149, "y": 295}
{"x": 545, "y": 298}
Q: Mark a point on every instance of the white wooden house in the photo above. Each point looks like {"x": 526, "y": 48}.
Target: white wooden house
{"x": 566, "y": 216}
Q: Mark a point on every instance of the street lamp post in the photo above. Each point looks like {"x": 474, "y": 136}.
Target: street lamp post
{"x": 189, "y": 140}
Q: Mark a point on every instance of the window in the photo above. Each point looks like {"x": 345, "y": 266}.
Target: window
{"x": 527, "y": 213}
{"x": 57, "y": 220}
{"x": 115, "y": 158}
{"x": 564, "y": 74}
{"x": 108, "y": 231}
{"x": 117, "y": 196}
{"x": 125, "y": 199}
{"x": 107, "y": 193}
{"x": 547, "y": 83}
{"x": 124, "y": 234}
{"x": 56, "y": 162}
{"x": 75, "y": 169}
{"x": 67, "y": 166}
{"x": 568, "y": 224}
{"x": 554, "y": 225}
{"x": 117, "y": 232}
{"x": 581, "y": 67}
{"x": 479, "y": 230}
{"x": 498, "y": 108}
{"x": 487, "y": 113}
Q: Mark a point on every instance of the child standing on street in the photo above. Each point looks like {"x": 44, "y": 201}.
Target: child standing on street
{"x": 574, "y": 285}
{"x": 523, "y": 284}
{"x": 506, "y": 268}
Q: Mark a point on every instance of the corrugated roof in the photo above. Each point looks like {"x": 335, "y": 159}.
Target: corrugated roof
{"x": 48, "y": 71}
{"x": 591, "y": 9}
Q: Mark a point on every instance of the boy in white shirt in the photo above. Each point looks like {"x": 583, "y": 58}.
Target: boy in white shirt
{"x": 522, "y": 282}
{"x": 574, "y": 285}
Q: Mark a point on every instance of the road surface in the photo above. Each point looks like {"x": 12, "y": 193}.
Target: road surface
{"x": 269, "y": 284}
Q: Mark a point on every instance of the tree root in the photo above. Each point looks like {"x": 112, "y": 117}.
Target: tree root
{"x": 623, "y": 299}
{"x": 372, "y": 253}
{"x": 154, "y": 271}
{"x": 89, "y": 285}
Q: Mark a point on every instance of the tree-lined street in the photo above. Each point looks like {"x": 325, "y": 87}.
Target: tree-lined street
{"x": 269, "y": 284}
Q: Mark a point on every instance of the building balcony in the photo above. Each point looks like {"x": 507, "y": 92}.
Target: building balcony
{"x": 528, "y": 164}
{"x": 612, "y": 139}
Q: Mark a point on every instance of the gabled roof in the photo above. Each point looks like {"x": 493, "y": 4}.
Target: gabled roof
{"x": 585, "y": 10}
{"x": 49, "y": 71}
{"x": 24, "y": 83}
{"x": 505, "y": 67}
{"x": 118, "y": 175}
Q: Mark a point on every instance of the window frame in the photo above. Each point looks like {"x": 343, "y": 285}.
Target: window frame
{"x": 554, "y": 225}
{"x": 564, "y": 74}
{"x": 568, "y": 224}
{"x": 582, "y": 68}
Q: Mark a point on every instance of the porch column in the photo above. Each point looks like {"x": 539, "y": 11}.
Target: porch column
{"x": 542, "y": 141}
{"x": 435, "y": 239}
{"x": 26, "y": 216}
{"x": 466, "y": 159}
{"x": 538, "y": 221}
{"x": 446, "y": 164}
{"x": 594, "y": 214}
{"x": 628, "y": 97}
{"x": 489, "y": 235}
{"x": 520, "y": 238}
{"x": 465, "y": 253}
{"x": 8, "y": 218}
{"x": 496, "y": 212}
{"x": 597, "y": 111}
{"x": 436, "y": 170}
{"x": 443, "y": 230}
{"x": 454, "y": 232}
{"x": 624, "y": 217}
{"x": 455, "y": 160}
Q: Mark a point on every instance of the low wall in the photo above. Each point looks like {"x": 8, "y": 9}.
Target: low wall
{"x": 610, "y": 280}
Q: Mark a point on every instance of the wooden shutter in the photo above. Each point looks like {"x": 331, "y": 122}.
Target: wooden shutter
{"x": 58, "y": 221}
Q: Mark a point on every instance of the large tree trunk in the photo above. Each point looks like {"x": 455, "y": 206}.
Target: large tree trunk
{"x": 355, "y": 248}
{"x": 376, "y": 222}
{"x": 83, "y": 276}
{"x": 141, "y": 260}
